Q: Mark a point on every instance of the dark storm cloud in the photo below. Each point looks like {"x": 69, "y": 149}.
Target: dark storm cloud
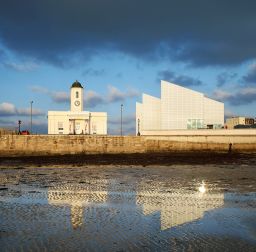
{"x": 183, "y": 80}
{"x": 244, "y": 96}
{"x": 224, "y": 77}
{"x": 246, "y": 93}
{"x": 65, "y": 32}
{"x": 93, "y": 99}
{"x": 250, "y": 77}
{"x": 116, "y": 95}
{"x": 56, "y": 96}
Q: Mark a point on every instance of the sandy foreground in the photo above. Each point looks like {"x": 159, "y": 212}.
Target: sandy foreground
{"x": 235, "y": 171}
{"x": 129, "y": 203}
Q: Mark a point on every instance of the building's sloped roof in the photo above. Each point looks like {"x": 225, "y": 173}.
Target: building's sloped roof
{"x": 77, "y": 84}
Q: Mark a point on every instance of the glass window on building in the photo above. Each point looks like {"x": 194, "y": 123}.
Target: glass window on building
{"x": 195, "y": 124}
{"x": 189, "y": 124}
{"x": 200, "y": 124}
{"x": 217, "y": 126}
{"x": 60, "y": 126}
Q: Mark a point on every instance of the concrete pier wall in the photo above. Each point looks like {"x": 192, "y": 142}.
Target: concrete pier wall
{"x": 15, "y": 145}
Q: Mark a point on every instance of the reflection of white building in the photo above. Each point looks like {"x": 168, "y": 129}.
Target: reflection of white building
{"x": 175, "y": 208}
{"x": 77, "y": 121}
{"x": 77, "y": 198}
{"x": 178, "y": 108}
{"x": 178, "y": 208}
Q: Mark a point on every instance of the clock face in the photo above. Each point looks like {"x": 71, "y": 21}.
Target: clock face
{"x": 77, "y": 103}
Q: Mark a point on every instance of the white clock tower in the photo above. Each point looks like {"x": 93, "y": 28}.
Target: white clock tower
{"x": 76, "y": 121}
{"x": 76, "y": 97}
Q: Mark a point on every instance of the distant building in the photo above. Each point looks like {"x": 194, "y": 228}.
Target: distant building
{"x": 77, "y": 121}
{"x": 239, "y": 122}
{"x": 178, "y": 108}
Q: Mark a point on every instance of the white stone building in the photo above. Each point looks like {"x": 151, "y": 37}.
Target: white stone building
{"x": 239, "y": 120}
{"x": 178, "y": 108}
{"x": 77, "y": 121}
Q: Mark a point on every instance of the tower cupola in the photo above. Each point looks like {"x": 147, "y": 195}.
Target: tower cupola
{"x": 76, "y": 97}
{"x": 76, "y": 84}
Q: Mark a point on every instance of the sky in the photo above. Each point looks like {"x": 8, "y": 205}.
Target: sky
{"x": 119, "y": 49}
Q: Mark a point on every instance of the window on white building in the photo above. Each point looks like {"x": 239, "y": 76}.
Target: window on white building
{"x": 195, "y": 124}
{"x": 60, "y": 126}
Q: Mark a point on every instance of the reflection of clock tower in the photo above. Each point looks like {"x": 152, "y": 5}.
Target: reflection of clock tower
{"x": 76, "y": 97}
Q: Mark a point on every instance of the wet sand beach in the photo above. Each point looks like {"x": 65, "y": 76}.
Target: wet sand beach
{"x": 160, "y": 202}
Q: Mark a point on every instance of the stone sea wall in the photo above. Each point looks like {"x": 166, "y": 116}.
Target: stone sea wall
{"x": 17, "y": 145}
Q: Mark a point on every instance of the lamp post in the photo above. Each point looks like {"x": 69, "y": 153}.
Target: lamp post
{"x": 31, "y": 117}
{"x": 138, "y": 134}
{"x": 122, "y": 119}
{"x": 19, "y": 122}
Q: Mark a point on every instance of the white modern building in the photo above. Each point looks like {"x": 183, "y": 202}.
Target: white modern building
{"x": 178, "y": 108}
{"x": 77, "y": 121}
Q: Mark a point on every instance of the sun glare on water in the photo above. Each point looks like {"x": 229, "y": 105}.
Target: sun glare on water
{"x": 202, "y": 188}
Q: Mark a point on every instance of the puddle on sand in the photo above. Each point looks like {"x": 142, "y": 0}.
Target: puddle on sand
{"x": 125, "y": 215}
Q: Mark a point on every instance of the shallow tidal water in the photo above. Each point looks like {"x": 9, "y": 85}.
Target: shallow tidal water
{"x": 124, "y": 209}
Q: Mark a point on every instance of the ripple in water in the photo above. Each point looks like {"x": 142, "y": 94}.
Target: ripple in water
{"x": 114, "y": 215}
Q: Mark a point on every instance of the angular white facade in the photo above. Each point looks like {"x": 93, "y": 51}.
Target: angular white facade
{"x": 178, "y": 108}
{"x": 77, "y": 121}
{"x": 213, "y": 112}
{"x": 149, "y": 110}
